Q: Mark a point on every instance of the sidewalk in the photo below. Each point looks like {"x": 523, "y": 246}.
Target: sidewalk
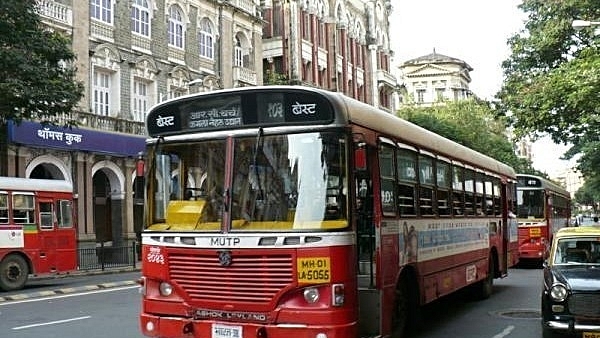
{"x": 61, "y": 291}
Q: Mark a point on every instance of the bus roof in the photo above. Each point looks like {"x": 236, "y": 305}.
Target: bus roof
{"x": 405, "y": 131}
{"x": 34, "y": 184}
{"x": 373, "y": 118}
{"x": 545, "y": 184}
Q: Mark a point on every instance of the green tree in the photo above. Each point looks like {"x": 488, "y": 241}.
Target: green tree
{"x": 552, "y": 78}
{"x": 473, "y": 124}
{"x": 37, "y": 79}
{"x": 588, "y": 194}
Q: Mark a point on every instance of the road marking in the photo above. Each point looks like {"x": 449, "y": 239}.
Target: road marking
{"x": 83, "y": 293}
{"x": 51, "y": 323}
{"x": 506, "y": 332}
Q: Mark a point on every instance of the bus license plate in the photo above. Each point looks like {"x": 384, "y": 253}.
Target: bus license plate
{"x": 591, "y": 335}
{"x": 226, "y": 331}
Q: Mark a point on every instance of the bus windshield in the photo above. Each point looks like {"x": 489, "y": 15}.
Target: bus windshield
{"x": 530, "y": 203}
{"x": 278, "y": 183}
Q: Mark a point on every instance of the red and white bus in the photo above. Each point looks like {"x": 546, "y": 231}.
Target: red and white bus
{"x": 37, "y": 229}
{"x": 543, "y": 207}
{"x": 287, "y": 211}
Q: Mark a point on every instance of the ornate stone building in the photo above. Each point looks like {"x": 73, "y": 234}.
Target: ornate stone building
{"x": 340, "y": 45}
{"x": 435, "y": 78}
{"x": 132, "y": 54}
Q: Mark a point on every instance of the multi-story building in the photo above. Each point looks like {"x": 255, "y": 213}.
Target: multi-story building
{"x": 340, "y": 45}
{"x": 133, "y": 54}
{"x": 435, "y": 78}
{"x": 130, "y": 56}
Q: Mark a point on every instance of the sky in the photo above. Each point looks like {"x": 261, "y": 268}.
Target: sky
{"x": 475, "y": 31}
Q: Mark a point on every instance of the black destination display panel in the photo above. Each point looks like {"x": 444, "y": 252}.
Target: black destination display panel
{"x": 229, "y": 110}
{"x": 529, "y": 182}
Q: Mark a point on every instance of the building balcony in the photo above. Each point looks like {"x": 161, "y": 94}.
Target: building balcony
{"x": 386, "y": 78}
{"x": 56, "y": 15}
{"x": 247, "y": 6}
{"x": 245, "y": 76}
{"x": 322, "y": 55}
{"x": 272, "y": 47}
{"x": 99, "y": 122}
{"x": 102, "y": 31}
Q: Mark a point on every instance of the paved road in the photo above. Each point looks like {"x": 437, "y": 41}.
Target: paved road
{"x": 77, "y": 282}
{"x": 87, "y": 302}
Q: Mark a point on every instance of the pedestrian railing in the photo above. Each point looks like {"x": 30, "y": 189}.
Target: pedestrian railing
{"x": 104, "y": 257}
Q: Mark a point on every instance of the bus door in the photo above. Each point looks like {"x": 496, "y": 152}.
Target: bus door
{"x": 47, "y": 235}
{"x": 369, "y": 298}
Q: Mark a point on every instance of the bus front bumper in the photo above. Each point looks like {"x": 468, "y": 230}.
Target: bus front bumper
{"x": 177, "y": 327}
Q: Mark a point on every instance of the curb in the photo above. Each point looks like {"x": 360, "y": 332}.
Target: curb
{"x": 63, "y": 291}
{"x": 102, "y": 286}
{"x": 94, "y": 272}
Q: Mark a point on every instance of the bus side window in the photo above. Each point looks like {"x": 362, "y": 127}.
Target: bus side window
{"x": 426, "y": 180}
{"x": 46, "y": 216}
{"x": 3, "y": 208}
{"x": 64, "y": 214}
{"x": 469, "y": 192}
{"x": 458, "y": 192}
{"x": 23, "y": 209}
{"x": 407, "y": 181}
{"x": 443, "y": 178}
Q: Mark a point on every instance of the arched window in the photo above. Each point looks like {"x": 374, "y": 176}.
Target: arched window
{"x": 140, "y": 17}
{"x": 205, "y": 39}
{"x": 176, "y": 27}
{"x": 239, "y": 54}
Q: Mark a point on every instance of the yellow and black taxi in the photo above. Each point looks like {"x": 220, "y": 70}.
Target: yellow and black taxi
{"x": 571, "y": 291}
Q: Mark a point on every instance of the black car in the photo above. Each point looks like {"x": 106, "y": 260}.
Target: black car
{"x": 571, "y": 290}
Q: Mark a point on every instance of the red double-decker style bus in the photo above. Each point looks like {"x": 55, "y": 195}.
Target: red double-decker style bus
{"x": 543, "y": 207}
{"x": 37, "y": 229}
{"x": 287, "y": 211}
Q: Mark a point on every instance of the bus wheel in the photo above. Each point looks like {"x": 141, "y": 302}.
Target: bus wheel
{"x": 13, "y": 273}
{"x": 406, "y": 311}
{"x": 485, "y": 287}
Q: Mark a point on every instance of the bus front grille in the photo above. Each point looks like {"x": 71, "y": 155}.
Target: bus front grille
{"x": 250, "y": 278}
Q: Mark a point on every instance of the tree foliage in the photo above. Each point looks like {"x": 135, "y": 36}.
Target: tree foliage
{"x": 552, "y": 78}
{"x": 37, "y": 79}
{"x": 588, "y": 194}
{"x": 473, "y": 124}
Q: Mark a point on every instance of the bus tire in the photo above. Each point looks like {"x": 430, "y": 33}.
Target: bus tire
{"x": 14, "y": 272}
{"x": 485, "y": 287}
{"x": 406, "y": 315}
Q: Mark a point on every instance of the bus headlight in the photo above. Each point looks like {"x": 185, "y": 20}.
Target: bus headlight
{"x": 311, "y": 295}
{"x": 558, "y": 293}
{"x": 165, "y": 289}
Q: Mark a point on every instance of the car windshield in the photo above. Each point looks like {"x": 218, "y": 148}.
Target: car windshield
{"x": 582, "y": 250}
{"x": 279, "y": 183}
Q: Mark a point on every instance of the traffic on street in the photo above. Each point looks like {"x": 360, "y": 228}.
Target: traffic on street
{"x": 112, "y": 311}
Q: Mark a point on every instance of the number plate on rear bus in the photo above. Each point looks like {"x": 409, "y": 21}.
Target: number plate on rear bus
{"x": 226, "y": 331}
{"x": 591, "y": 335}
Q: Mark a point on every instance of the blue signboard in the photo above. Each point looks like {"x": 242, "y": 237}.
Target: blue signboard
{"x": 75, "y": 139}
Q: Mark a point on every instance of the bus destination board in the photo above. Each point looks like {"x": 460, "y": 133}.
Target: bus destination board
{"x": 222, "y": 111}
